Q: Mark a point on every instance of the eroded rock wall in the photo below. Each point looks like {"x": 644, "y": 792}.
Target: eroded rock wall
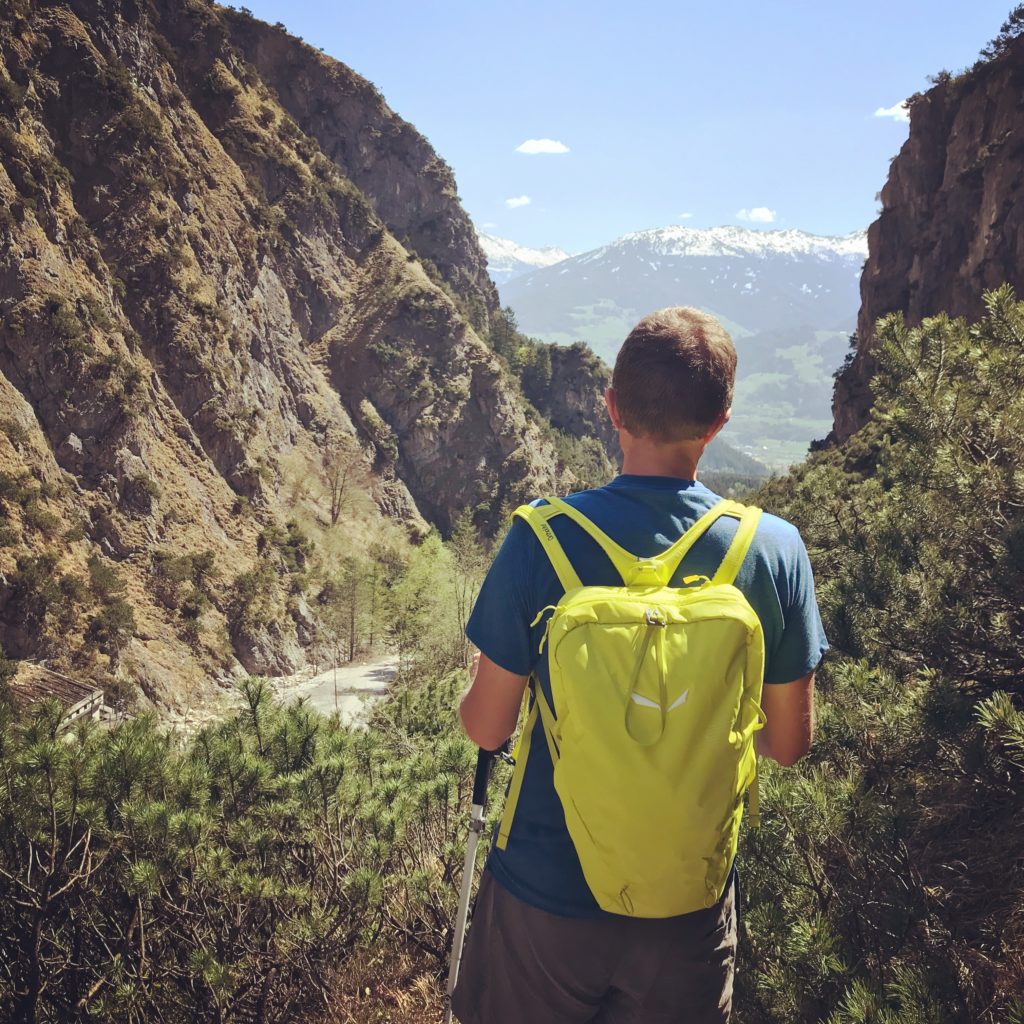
{"x": 203, "y": 288}
{"x": 952, "y": 220}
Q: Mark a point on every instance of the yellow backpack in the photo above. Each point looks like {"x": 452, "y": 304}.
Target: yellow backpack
{"x": 656, "y": 696}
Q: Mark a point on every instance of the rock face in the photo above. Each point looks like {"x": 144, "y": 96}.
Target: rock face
{"x": 222, "y": 257}
{"x": 574, "y": 400}
{"x": 952, "y": 220}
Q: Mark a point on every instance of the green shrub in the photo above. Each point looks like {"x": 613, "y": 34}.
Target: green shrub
{"x": 13, "y": 488}
{"x": 42, "y": 519}
{"x": 316, "y": 843}
{"x": 104, "y": 579}
{"x": 869, "y": 884}
{"x": 12, "y": 93}
{"x": 143, "y": 125}
{"x": 220, "y": 82}
{"x": 291, "y": 544}
{"x": 165, "y": 49}
{"x": 147, "y": 485}
{"x": 67, "y": 325}
{"x": 35, "y": 591}
{"x": 112, "y": 627}
{"x": 254, "y": 598}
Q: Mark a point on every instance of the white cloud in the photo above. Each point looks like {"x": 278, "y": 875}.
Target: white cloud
{"x": 534, "y": 146}
{"x": 759, "y": 215}
{"x": 898, "y": 112}
{"x": 684, "y": 216}
{"x": 517, "y": 201}
{"x": 490, "y": 224}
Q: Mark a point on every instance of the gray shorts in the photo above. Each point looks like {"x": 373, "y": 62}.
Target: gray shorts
{"x": 525, "y": 966}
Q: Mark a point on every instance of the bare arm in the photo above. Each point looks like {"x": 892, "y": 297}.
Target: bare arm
{"x": 789, "y": 708}
{"x": 490, "y": 707}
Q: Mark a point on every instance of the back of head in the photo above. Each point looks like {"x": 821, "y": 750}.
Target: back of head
{"x": 674, "y": 375}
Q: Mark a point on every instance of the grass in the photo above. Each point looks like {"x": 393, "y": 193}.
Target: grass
{"x": 386, "y": 990}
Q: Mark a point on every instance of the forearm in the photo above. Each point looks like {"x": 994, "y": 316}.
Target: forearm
{"x": 489, "y": 709}
{"x": 789, "y": 709}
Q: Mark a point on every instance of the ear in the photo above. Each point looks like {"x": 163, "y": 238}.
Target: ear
{"x": 613, "y": 409}
{"x": 718, "y": 424}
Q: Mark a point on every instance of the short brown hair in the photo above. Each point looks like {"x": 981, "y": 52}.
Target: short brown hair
{"x": 674, "y": 375}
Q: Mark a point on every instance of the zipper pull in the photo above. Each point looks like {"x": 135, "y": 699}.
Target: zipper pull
{"x": 547, "y": 626}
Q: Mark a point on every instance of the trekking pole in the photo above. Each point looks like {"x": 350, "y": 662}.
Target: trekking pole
{"x": 484, "y": 760}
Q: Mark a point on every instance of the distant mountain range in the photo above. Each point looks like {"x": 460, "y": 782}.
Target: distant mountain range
{"x": 506, "y": 259}
{"x": 788, "y": 298}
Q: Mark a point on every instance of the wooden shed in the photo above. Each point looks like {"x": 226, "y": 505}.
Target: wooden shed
{"x": 33, "y": 683}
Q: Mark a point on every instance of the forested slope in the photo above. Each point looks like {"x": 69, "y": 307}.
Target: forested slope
{"x": 887, "y": 883}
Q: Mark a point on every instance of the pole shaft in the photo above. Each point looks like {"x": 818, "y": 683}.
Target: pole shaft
{"x": 462, "y": 913}
{"x": 484, "y": 761}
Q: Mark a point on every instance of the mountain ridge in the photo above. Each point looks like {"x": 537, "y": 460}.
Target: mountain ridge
{"x": 507, "y": 259}
{"x": 789, "y": 292}
{"x": 205, "y": 321}
{"x": 733, "y": 240}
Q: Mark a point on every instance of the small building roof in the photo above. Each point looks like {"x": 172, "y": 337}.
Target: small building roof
{"x": 33, "y": 683}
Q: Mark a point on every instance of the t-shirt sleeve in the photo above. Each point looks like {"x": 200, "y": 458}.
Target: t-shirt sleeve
{"x": 803, "y": 640}
{"x": 500, "y": 622}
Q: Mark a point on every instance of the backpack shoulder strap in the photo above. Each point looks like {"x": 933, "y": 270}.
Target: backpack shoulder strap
{"x": 537, "y": 516}
{"x": 622, "y": 559}
{"x": 730, "y": 567}
{"x": 656, "y": 570}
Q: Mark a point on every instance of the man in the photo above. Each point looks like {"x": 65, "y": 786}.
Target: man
{"x": 541, "y": 949}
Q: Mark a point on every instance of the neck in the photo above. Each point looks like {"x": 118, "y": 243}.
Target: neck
{"x": 646, "y": 459}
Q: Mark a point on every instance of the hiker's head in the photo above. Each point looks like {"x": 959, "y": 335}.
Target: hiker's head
{"x": 673, "y": 378}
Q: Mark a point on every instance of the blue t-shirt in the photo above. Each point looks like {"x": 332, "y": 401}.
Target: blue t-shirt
{"x": 645, "y": 515}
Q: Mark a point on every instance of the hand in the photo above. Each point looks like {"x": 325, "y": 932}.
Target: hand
{"x": 474, "y": 665}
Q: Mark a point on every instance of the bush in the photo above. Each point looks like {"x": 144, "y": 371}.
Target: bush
{"x": 35, "y": 591}
{"x": 254, "y": 599}
{"x": 75, "y": 533}
{"x": 872, "y": 894}
{"x": 12, "y": 93}
{"x": 13, "y": 489}
{"x": 316, "y": 843}
{"x": 220, "y": 82}
{"x": 104, "y": 579}
{"x": 42, "y": 519}
{"x": 142, "y": 124}
{"x": 67, "y": 325}
{"x": 291, "y": 544}
{"x": 147, "y": 485}
{"x": 112, "y": 627}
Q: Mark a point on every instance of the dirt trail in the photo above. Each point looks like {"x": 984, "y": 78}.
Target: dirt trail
{"x": 350, "y": 689}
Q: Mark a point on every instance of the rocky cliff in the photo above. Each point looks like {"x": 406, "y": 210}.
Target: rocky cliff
{"x": 952, "y": 220}
{"x": 224, "y": 264}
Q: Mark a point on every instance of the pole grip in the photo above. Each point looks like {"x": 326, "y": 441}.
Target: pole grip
{"x": 484, "y": 760}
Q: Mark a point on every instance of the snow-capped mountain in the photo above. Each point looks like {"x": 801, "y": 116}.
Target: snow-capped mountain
{"x": 789, "y": 299}
{"x": 506, "y": 259}
{"x": 753, "y": 280}
{"x": 736, "y": 242}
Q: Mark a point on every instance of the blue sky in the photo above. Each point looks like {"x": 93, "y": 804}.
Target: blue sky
{"x": 672, "y": 112}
